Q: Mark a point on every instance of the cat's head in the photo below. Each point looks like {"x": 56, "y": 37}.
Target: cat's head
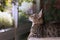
{"x": 36, "y": 18}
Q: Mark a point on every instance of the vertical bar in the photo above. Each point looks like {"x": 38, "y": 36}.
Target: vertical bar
{"x": 15, "y": 16}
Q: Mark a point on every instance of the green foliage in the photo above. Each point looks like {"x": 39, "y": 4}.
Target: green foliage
{"x": 20, "y": 1}
{"x": 1, "y": 8}
{"x": 4, "y": 4}
{"x": 22, "y": 18}
{"x": 6, "y": 20}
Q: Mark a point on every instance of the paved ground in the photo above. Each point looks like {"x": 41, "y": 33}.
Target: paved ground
{"x": 7, "y": 35}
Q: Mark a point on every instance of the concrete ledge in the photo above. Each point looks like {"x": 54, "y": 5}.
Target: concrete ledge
{"x": 52, "y": 38}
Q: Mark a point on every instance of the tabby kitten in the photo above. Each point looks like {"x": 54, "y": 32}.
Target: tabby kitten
{"x": 39, "y": 29}
{"x": 37, "y": 21}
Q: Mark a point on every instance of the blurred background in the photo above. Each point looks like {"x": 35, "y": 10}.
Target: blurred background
{"x": 7, "y": 21}
{"x": 25, "y": 8}
{"x": 14, "y": 23}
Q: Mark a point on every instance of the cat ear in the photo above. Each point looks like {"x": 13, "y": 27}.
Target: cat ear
{"x": 40, "y": 14}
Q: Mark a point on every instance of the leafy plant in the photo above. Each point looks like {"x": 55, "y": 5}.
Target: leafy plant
{"x": 6, "y": 20}
{"x": 4, "y": 4}
{"x": 22, "y": 18}
{"x": 20, "y": 1}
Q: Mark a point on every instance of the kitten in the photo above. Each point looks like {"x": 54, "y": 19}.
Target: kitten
{"x": 37, "y": 21}
{"x": 36, "y": 18}
{"x": 39, "y": 29}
